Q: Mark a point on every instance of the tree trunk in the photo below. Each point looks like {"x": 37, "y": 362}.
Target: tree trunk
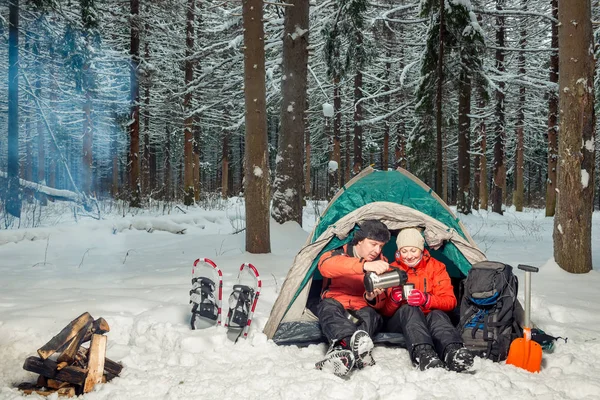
{"x": 115, "y": 158}
{"x": 483, "y": 181}
{"x": 358, "y": 130}
{"x": 258, "y": 239}
{"x": 573, "y": 221}
{"x": 499, "y": 170}
{"x": 518, "y": 194}
{"x": 133, "y": 160}
{"x": 87, "y": 159}
{"x": 225, "y": 166}
{"x": 439, "y": 177}
{"x": 347, "y": 156}
{"x": 41, "y": 140}
{"x": 168, "y": 194}
{"x": 552, "y": 119}
{"x": 197, "y": 135}
{"x": 287, "y": 197}
{"x": 307, "y": 191}
{"x": 463, "y": 197}
{"x": 188, "y": 146}
{"x": 13, "y": 197}
{"x": 146, "y": 189}
{"x": 337, "y": 131}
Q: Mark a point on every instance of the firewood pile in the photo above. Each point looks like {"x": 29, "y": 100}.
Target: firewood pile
{"x": 67, "y": 368}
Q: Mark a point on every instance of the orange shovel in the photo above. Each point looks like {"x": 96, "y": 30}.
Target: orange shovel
{"x": 525, "y": 353}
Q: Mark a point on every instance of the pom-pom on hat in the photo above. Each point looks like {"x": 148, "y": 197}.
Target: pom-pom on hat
{"x": 410, "y": 237}
{"x": 372, "y": 229}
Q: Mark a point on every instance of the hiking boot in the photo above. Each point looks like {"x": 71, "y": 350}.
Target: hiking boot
{"x": 426, "y": 357}
{"x": 339, "y": 359}
{"x": 458, "y": 358}
{"x": 362, "y": 345}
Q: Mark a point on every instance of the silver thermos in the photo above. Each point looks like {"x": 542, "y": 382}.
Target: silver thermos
{"x": 396, "y": 277}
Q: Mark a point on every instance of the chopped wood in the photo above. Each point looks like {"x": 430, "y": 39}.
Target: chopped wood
{"x": 47, "y": 368}
{"x": 68, "y": 355}
{"x": 61, "y": 365}
{"x": 96, "y": 358}
{"x": 65, "y": 335}
{"x": 54, "y": 384}
{"x": 30, "y": 388}
{"x": 110, "y": 367}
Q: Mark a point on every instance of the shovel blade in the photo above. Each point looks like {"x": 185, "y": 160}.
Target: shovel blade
{"x": 525, "y": 354}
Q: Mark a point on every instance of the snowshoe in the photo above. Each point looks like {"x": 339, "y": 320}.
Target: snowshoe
{"x": 242, "y": 302}
{"x": 205, "y": 300}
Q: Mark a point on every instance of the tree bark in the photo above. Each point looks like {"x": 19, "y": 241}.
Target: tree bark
{"x": 463, "y": 198}
{"x": 499, "y": 171}
{"x": 573, "y": 219}
{"x": 439, "y": 176}
{"x": 13, "y": 196}
{"x": 133, "y": 160}
{"x": 358, "y": 130}
{"x": 287, "y": 197}
{"x": 188, "y": 146}
{"x": 256, "y": 180}
{"x": 518, "y": 194}
{"x": 552, "y": 119}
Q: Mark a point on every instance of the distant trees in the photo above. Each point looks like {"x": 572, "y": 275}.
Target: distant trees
{"x": 13, "y": 191}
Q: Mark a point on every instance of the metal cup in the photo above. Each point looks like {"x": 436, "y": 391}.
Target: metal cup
{"x": 406, "y": 289}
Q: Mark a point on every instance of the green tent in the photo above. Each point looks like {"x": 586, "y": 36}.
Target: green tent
{"x": 398, "y": 199}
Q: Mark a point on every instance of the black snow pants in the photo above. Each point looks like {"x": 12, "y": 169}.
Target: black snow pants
{"x": 434, "y": 329}
{"x": 336, "y": 325}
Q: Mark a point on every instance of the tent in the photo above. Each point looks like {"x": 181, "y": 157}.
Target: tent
{"x": 398, "y": 199}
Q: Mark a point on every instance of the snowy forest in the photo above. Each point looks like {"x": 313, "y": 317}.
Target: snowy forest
{"x": 177, "y": 101}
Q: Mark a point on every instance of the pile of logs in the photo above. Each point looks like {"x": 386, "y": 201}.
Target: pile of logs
{"x": 73, "y": 369}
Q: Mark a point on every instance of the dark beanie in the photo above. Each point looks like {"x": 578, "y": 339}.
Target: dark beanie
{"x": 372, "y": 229}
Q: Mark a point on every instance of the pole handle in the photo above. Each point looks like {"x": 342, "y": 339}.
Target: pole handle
{"x": 528, "y": 268}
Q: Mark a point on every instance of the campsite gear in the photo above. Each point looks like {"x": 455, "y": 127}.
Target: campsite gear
{"x": 362, "y": 345}
{"x": 416, "y": 298}
{"x": 242, "y": 302}
{"x": 425, "y": 357}
{"x": 458, "y": 358}
{"x": 489, "y": 310}
{"x": 406, "y": 289}
{"x": 372, "y": 281}
{"x": 206, "y": 309}
{"x": 367, "y": 196}
{"x": 524, "y": 352}
{"x": 545, "y": 340}
{"x": 339, "y": 360}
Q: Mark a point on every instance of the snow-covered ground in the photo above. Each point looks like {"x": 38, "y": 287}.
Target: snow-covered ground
{"x": 139, "y": 282}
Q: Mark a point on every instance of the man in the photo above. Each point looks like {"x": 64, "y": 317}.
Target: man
{"x": 348, "y": 316}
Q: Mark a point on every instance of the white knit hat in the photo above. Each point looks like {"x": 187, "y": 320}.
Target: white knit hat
{"x": 410, "y": 237}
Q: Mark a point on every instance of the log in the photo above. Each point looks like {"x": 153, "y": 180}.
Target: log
{"x": 30, "y": 388}
{"x": 96, "y": 358}
{"x": 47, "y": 368}
{"x": 111, "y": 368}
{"x": 67, "y": 333}
{"x": 68, "y": 355}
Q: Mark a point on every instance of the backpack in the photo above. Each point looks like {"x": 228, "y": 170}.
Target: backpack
{"x": 488, "y": 310}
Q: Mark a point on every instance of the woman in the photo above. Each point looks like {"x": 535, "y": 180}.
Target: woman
{"x": 421, "y": 316}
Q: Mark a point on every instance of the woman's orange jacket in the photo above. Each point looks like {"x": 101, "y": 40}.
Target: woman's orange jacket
{"x": 344, "y": 278}
{"x": 429, "y": 276}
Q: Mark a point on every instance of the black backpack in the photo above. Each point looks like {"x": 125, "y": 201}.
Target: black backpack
{"x": 489, "y": 310}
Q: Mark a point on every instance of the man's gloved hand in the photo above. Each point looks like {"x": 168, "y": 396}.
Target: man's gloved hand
{"x": 417, "y": 298}
{"x": 396, "y": 294}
